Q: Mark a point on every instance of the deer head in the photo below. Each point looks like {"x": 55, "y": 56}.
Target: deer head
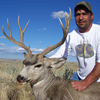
{"x": 36, "y": 67}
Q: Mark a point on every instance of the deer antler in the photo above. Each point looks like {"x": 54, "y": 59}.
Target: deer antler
{"x": 65, "y": 32}
{"x": 21, "y": 36}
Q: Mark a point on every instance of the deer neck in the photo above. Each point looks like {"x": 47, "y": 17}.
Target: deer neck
{"x": 41, "y": 87}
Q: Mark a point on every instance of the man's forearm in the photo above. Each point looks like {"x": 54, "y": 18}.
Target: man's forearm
{"x": 94, "y": 75}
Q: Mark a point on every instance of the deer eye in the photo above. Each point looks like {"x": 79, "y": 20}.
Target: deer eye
{"x": 38, "y": 66}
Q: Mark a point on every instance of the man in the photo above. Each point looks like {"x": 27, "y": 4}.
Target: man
{"x": 85, "y": 42}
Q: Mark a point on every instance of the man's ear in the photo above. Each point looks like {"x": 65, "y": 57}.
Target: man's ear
{"x": 57, "y": 62}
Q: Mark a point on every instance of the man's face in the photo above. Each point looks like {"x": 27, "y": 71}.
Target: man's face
{"x": 83, "y": 19}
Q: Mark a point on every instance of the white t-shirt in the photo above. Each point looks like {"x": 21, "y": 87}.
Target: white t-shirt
{"x": 86, "y": 47}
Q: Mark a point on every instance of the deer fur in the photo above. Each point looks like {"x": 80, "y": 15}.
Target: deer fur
{"x": 48, "y": 87}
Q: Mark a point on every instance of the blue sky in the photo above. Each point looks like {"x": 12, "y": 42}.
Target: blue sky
{"x": 44, "y": 28}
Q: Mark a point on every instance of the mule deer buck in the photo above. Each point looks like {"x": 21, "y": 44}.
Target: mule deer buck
{"x": 37, "y": 71}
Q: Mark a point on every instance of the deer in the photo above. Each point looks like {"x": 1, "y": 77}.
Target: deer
{"x": 37, "y": 71}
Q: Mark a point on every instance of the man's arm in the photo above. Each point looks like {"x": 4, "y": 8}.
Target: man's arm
{"x": 63, "y": 51}
{"x": 92, "y": 77}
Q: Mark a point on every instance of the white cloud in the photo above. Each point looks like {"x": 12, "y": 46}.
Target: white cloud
{"x": 39, "y": 29}
{"x": 98, "y": 22}
{"x": 2, "y": 37}
{"x": 18, "y": 50}
{"x": 44, "y": 28}
{"x": 40, "y": 41}
{"x": 51, "y": 53}
{"x": 36, "y": 50}
{"x": 59, "y": 14}
{"x": 72, "y": 54}
{"x": 2, "y": 44}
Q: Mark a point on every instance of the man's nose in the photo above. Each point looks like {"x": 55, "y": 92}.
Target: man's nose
{"x": 81, "y": 17}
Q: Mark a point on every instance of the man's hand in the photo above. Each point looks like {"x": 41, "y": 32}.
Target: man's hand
{"x": 79, "y": 85}
{"x": 92, "y": 77}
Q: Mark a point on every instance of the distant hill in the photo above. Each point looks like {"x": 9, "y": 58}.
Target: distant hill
{"x": 70, "y": 65}
{"x": 5, "y": 59}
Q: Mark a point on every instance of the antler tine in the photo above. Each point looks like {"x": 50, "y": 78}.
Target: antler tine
{"x": 22, "y": 31}
{"x": 65, "y": 32}
{"x": 13, "y": 40}
{"x": 67, "y": 20}
{"x": 9, "y": 28}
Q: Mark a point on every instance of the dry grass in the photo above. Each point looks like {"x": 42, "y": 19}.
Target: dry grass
{"x": 11, "y": 90}
{"x": 15, "y": 91}
{"x": 67, "y": 70}
{"x": 9, "y": 70}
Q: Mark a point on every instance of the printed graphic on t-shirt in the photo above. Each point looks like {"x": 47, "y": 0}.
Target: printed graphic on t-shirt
{"x": 84, "y": 50}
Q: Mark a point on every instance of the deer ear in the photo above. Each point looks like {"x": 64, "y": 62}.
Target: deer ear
{"x": 57, "y": 62}
{"x": 24, "y": 53}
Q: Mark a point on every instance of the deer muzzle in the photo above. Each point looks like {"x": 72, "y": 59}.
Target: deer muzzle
{"x": 20, "y": 79}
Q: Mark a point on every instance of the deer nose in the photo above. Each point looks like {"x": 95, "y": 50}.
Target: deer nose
{"x": 19, "y": 78}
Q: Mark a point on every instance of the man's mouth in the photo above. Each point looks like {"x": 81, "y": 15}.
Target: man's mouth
{"x": 81, "y": 22}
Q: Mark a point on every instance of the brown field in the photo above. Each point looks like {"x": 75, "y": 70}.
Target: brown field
{"x": 9, "y": 87}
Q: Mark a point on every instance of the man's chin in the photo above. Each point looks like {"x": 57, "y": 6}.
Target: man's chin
{"x": 82, "y": 29}
{"x": 81, "y": 26}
